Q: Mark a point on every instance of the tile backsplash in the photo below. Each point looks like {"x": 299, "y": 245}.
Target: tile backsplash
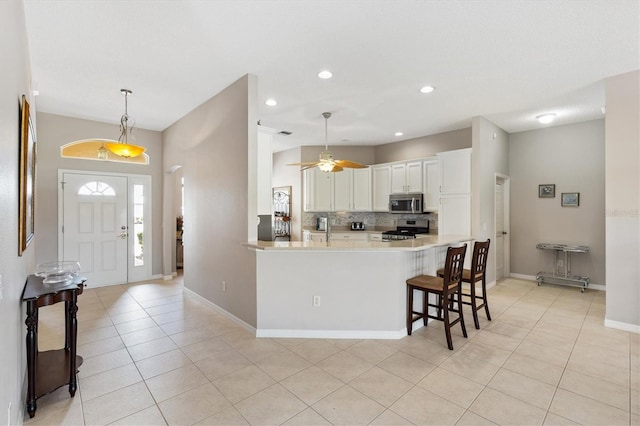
{"x": 370, "y": 219}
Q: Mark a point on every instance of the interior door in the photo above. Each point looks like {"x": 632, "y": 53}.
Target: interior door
{"x": 500, "y": 229}
{"x": 95, "y": 229}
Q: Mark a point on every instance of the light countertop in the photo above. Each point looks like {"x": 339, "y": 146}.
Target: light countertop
{"x": 422, "y": 243}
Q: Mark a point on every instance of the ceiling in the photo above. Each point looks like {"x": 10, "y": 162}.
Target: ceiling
{"x": 507, "y": 60}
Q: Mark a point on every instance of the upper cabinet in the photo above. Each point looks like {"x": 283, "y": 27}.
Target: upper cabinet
{"x": 406, "y": 177}
{"x": 454, "y": 216}
{"x": 431, "y": 184}
{"x": 317, "y": 190}
{"x": 349, "y": 190}
{"x": 362, "y": 190}
{"x": 381, "y": 177}
{"x": 455, "y": 171}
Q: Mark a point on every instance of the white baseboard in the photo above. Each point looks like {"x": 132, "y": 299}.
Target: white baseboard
{"x": 167, "y": 277}
{"x": 333, "y": 334}
{"x": 156, "y": 276}
{"x": 591, "y": 286}
{"x": 622, "y": 326}
{"x": 221, "y": 310}
{"x": 522, "y": 277}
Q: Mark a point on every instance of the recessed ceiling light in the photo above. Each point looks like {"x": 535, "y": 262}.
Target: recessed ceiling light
{"x": 427, "y": 89}
{"x": 271, "y": 102}
{"x": 325, "y": 74}
{"x": 546, "y": 118}
{"x": 399, "y": 133}
{"x": 36, "y": 92}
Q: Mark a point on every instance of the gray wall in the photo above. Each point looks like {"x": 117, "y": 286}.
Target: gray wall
{"x": 623, "y": 199}
{"x": 15, "y": 82}
{"x": 55, "y": 131}
{"x": 572, "y": 158}
{"x": 425, "y": 146}
{"x": 213, "y": 144}
{"x": 489, "y": 156}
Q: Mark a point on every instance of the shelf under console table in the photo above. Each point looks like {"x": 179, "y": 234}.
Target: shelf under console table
{"x": 49, "y": 370}
{"x": 562, "y": 274}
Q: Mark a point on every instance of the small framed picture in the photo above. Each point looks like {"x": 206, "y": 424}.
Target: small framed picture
{"x": 570, "y": 199}
{"x": 547, "y": 191}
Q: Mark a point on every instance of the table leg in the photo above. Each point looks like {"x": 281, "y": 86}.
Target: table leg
{"x": 67, "y": 325}
{"x": 32, "y": 338}
{"x": 72, "y": 330}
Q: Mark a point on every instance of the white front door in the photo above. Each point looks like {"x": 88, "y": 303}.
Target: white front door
{"x": 95, "y": 226}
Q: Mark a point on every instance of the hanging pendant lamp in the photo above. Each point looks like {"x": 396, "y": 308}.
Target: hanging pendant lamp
{"x": 123, "y": 148}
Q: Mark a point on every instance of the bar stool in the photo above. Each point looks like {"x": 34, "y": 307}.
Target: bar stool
{"x": 479, "y": 266}
{"x": 445, "y": 289}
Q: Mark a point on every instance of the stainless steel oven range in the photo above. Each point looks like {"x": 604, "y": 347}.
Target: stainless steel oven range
{"x": 407, "y": 229}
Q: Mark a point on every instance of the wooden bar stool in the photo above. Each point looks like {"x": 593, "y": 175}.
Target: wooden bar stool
{"x": 445, "y": 288}
{"x": 479, "y": 268}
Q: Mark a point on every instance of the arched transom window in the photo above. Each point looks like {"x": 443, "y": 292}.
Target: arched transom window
{"x": 97, "y": 188}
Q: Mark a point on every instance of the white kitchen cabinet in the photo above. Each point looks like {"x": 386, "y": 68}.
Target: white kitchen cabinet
{"x": 381, "y": 178}
{"x": 317, "y": 237}
{"x": 361, "y": 190}
{"x": 350, "y": 236}
{"x": 454, "y": 215}
{"x": 375, "y": 236}
{"x": 455, "y": 171}
{"x": 406, "y": 177}
{"x": 318, "y": 191}
{"x": 431, "y": 184}
{"x": 342, "y": 190}
{"x": 349, "y": 190}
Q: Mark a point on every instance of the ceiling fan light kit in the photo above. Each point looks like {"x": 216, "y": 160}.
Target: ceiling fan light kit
{"x": 326, "y": 162}
{"x": 123, "y": 148}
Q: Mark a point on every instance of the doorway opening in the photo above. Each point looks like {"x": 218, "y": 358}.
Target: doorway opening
{"x": 502, "y": 215}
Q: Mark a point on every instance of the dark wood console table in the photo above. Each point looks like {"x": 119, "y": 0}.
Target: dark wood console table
{"x": 49, "y": 370}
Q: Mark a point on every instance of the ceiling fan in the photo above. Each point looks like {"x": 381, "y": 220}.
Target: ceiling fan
{"x": 326, "y": 162}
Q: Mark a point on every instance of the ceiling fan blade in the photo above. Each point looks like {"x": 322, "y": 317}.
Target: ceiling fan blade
{"x": 337, "y": 168}
{"x": 350, "y": 164}
{"x": 308, "y": 163}
{"x": 309, "y": 166}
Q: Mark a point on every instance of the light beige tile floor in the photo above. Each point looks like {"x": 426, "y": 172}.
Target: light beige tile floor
{"x": 154, "y": 355}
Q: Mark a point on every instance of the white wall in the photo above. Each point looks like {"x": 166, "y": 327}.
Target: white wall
{"x": 572, "y": 158}
{"x": 55, "y": 131}
{"x": 490, "y": 155}
{"x": 622, "y": 170}
{"x": 15, "y": 82}
{"x": 216, "y": 144}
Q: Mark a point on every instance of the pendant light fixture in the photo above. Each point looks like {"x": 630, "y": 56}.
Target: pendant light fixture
{"x": 123, "y": 148}
{"x": 103, "y": 153}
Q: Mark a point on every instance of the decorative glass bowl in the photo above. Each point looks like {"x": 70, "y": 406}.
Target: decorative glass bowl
{"x": 57, "y": 272}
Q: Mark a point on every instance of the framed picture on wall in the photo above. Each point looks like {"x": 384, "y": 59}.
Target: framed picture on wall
{"x": 547, "y": 190}
{"x": 26, "y": 216}
{"x": 570, "y": 199}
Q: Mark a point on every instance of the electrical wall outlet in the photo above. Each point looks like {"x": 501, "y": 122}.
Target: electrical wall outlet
{"x": 316, "y": 301}
{"x": 224, "y": 286}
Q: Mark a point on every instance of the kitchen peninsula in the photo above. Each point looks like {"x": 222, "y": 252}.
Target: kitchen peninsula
{"x": 341, "y": 289}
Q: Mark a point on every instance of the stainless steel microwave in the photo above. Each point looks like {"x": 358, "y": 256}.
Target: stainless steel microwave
{"x": 405, "y": 203}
